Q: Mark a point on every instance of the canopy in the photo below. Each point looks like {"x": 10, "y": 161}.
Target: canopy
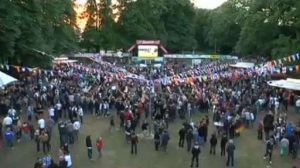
{"x": 6, "y": 79}
{"x": 243, "y": 65}
{"x": 293, "y": 84}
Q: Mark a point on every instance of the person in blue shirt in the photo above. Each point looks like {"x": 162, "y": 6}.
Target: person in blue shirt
{"x": 9, "y": 137}
{"x": 47, "y": 161}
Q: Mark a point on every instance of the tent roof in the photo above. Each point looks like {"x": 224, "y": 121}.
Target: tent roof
{"x": 6, "y": 79}
{"x": 243, "y": 65}
{"x": 289, "y": 83}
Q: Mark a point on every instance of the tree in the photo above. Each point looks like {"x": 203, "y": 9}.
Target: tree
{"x": 31, "y": 28}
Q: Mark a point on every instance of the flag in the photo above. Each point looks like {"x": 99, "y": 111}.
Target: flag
{"x": 294, "y": 58}
{"x": 290, "y": 58}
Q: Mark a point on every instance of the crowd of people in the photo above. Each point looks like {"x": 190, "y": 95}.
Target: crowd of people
{"x": 64, "y": 96}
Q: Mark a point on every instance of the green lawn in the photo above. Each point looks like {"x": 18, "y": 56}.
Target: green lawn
{"x": 249, "y": 153}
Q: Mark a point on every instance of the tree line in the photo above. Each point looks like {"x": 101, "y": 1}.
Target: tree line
{"x": 247, "y": 28}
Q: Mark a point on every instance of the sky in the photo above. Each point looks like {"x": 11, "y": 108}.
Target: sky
{"x": 206, "y": 4}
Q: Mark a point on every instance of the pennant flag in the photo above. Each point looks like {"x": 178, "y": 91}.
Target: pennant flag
{"x": 7, "y": 67}
{"x": 29, "y": 69}
{"x": 297, "y": 56}
{"x": 290, "y": 58}
{"x": 294, "y": 58}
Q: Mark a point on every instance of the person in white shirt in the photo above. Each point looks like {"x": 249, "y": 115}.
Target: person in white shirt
{"x": 76, "y": 126}
{"x": 41, "y": 123}
{"x": 80, "y": 114}
{"x": 11, "y": 111}
{"x": 68, "y": 159}
{"x": 51, "y": 112}
{"x": 298, "y": 106}
{"x": 7, "y": 122}
{"x": 58, "y": 106}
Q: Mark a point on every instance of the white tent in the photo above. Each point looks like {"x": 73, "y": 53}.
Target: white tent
{"x": 6, "y": 79}
{"x": 243, "y": 65}
{"x": 293, "y": 84}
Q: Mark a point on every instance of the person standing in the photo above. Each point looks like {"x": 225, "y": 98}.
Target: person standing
{"x": 260, "y": 130}
{"x": 195, "y": 152}
{"x": 181, "y": 137}
{"x": 223, "y": 144}
{"x": 100, "y": 145}
{"x": 269, "y": 149}
{"x": 9, "y": 137}
{"x": 156, "y": 140}
{"x": 112, "y": 123}
{"x": 189, "y": 139}
{"x": 230, "y": 153}
{"x": 70, "y": 132}
{"x": 284, "y": 147}
{"x": 213, "y": 142}
{"x": 44, "y": 138}
{"x": 134, "y": 142}
{"x": 80, "y": 114}
{"x": 165, "y": 137}
{"x": 68, "y": 158}
{"x": 76, "y": 127}
{"x": 89, "y": 146}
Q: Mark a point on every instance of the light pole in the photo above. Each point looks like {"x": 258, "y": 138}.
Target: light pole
{"x": 151, "y": 91}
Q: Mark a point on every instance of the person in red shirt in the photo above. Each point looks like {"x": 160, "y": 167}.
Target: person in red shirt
{"x": 25, "y": 131}
{"x": 100, "y": 145}
{"x": 129, "y": 115}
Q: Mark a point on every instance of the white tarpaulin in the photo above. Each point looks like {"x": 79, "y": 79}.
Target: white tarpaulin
{"x": 6, "y": 79}
{"x": 293, "y": 84}
{"x": 243, "y": 65}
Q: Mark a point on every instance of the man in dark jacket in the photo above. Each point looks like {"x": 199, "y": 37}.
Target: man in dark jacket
{"x": 134, "y": 142}
{"x": 89, "y": 146}
{"x": 165, "y": 137}
{"x": 181, "y": 137}
{"x": 269, "y": 149}
{"x": 156, "y": 140}
{"x": 213, "y": 142}
{"x": 230, "y": 153}
{"x": 223, "y": 144}
{"x": 189, "y": 139}
{"x": 195, "y": 152}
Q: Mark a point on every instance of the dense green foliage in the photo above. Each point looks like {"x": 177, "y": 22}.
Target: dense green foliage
{"x": 243, "y": 27}
{"x": 31, "y": 30}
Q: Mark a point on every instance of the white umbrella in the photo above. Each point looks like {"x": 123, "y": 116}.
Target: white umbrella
{"x": 6, "y": 79}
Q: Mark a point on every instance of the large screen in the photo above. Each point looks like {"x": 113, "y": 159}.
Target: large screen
{"x": 148, "y": 51}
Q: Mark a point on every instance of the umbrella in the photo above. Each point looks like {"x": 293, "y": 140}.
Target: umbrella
{"x": 6, "y": 79}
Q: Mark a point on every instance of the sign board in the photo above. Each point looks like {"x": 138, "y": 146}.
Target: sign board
{"x": 148, "y": 42}
{"x": 148, "y": 51}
